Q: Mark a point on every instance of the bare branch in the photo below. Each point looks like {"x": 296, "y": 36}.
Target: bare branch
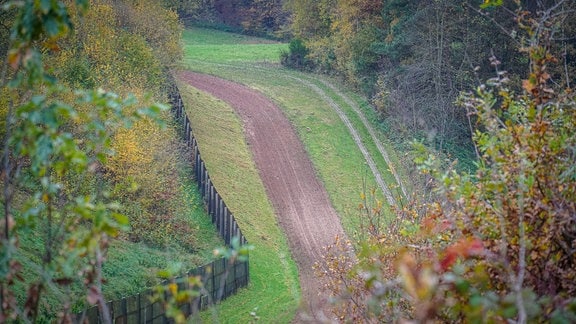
{"x": 502, "y": 28}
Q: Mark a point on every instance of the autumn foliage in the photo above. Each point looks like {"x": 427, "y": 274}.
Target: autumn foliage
{"x": 83, "y": 167}
{"x": 497, "y": 245}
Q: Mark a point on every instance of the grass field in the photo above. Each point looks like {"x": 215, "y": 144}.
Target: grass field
{"x": 207, "y": 45}
{"x": 274, "y": 289}
{"x": 335, "y": 156}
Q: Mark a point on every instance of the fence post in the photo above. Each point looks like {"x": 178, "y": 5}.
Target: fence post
{"x": 227, "y": 226}
{"x": 222, "y": 209}
{"x": 213, "y": 195}
{"x": 124, "y": 307}
{"x": 202, "y": 180}
{"x": 201, "y": 177}
{"x": 206, "y": 185}
{"x": 195, "y": 152}
{"x": 215, "y": 200}
{"x": 222, "y": 224}
{"x": 197, "y": 168}
{"x": 139, "y": 306}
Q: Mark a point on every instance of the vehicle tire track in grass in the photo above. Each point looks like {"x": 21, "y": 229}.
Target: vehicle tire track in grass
{"x": 301, "y": 202}
{"x": 357, "y": 139}
{"x": 381, "y": 149}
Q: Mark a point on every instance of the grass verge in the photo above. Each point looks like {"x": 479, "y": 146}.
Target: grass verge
{"x": 274, "y": 292}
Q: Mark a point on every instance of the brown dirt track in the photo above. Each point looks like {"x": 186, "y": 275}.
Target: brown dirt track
{"x": 301, "y": 203}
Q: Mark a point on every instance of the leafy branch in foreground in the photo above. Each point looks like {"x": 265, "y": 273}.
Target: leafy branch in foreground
{"x": 498, "y": 245}
{"x": 53, "y": 135}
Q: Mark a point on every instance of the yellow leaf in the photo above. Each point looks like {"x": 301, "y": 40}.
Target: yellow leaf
{"x": 173, "y": 288}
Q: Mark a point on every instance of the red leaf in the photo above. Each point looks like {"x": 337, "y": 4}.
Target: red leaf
{"x": 93, "y": 295}
{"x": 465, "y": 248}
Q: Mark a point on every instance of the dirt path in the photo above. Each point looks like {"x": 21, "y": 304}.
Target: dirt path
{"x": 356, "y": 137}
{"x": 299, "y": 198}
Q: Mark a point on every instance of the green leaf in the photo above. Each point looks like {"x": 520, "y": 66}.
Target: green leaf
{"x": 45, "y": 6}
{"x": 121, "y": 219}
{"x": 491, "y": 3}
{"x": 52, "y": 26}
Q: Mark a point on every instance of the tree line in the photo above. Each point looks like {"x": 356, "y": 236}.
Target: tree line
{"x": 87, "y": 160}
{"x": 255, "y": 17}
{"x": 413, "y": 58}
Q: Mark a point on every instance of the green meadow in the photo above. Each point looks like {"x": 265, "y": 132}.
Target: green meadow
{"x": 273, "y": 292}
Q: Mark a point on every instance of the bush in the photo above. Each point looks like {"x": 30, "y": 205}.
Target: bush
{"x": 296, "y": 57}
{"x": 497, "y": 245}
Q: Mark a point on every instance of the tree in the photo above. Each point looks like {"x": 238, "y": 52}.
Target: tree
{"x": 497, "y": 245}
{"x": 53, "y": 135}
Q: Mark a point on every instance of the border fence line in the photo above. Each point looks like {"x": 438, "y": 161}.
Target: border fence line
{"x": 217, "y": 208}
{"x": 220, "y": 277}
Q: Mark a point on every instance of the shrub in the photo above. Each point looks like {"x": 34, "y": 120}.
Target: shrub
{"x": 497, "y": 245}
{"x": 296, "y": 57}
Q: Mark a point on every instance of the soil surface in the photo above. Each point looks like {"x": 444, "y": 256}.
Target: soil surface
{"x": 299, "y": 198}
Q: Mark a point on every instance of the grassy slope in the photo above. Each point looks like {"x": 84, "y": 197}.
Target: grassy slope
{"x": 274, "y": 288}
{"x": 337, "y": 161}
{"x": 131, "y": 267}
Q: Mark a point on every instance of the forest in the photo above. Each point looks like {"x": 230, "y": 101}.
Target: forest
{"x": 80, "y": 81}
{"x": 412, "y": 58}
{"x": 480, "y": 93}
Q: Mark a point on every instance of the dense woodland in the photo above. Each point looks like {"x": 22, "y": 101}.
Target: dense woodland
{"x": 493, "y": 79}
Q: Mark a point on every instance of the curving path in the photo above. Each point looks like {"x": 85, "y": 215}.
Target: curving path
{"x": 357, "y": 139}
{"x": 301, "y": 203}
{"x": 353, "y": 132}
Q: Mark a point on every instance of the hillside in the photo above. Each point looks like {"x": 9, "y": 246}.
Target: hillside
{"x": 98, "y": 193}
{"x": 388, "y": 161}
{"x": 339, "y": 163}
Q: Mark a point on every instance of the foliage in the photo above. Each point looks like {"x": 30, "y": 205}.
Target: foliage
{"x": 419, "y": 55}
{"x": 40, "y": 155}
{"x": 265, "y": 18}
{"x": 295, "y": 57}
{"x": 159, "y": 27}
{"x": 145, "y": 171}
{"x": 128, "y": 47}
{"x": 64, "y": 202}
{"x": 498, "y": 245}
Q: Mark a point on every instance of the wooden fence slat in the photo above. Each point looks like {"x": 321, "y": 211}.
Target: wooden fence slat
{"x": 139, "y": 307}
{"x": 227, "y": 229}
{"x": 213, "y": 199}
